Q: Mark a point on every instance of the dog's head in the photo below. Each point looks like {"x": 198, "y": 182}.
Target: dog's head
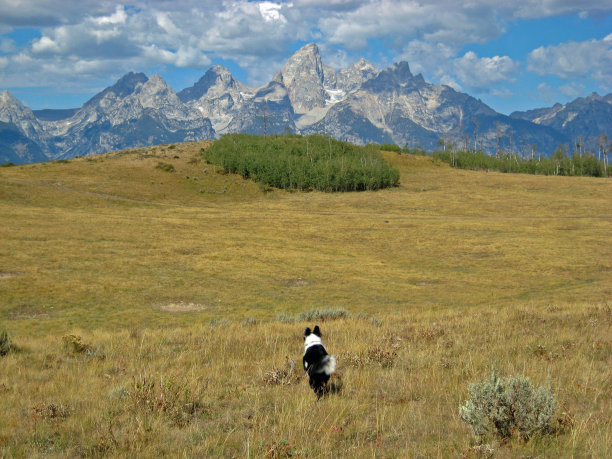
{"x": 312, "y": 337}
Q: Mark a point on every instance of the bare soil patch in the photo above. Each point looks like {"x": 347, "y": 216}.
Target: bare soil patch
{"x": 182, "y": 307}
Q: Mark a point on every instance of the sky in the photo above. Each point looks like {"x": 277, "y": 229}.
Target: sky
{"x": 513, "y": 55}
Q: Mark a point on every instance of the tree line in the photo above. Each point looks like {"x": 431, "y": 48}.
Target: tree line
{"x": 583, "y": 161}
{"x": 314, "y": 162}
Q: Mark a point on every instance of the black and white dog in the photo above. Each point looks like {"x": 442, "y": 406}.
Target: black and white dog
{"x": 319, "y": 365}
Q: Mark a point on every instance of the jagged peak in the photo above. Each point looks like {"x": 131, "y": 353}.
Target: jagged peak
{"x": 128, "y": 83}
{"x": 214, "y": 75}
{"x": 363, "y": 64}
{"x": 219, "y": 69}
{"x": 156, "y": 80}
{"x": 594, "y": 96}
{"x": 6, "y": 97}
{"x": 10, "y": 104}
{"x": 396, "y": 75}
{"x": 309, "y": 48}
{"x": 402, "y": 69}
{"x": 124, "y": 86}
{"x": 309, "y": 52}
{"x": 278, "y": 77}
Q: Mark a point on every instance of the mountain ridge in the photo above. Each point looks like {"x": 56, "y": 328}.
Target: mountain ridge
{"x": 359, "y": 103}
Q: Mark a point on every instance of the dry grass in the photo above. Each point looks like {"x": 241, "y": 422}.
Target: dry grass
{"x": 173, "y": 280}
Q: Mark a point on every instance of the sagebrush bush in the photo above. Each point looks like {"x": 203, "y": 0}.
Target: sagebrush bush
{"x": 313, "y": 315}
{"x": 73, "y": 344}
{"x": 166, "y": 167}
{"x": 5, "y": 342}
{"x": 508, "y": 406}
{"x": 321, "y": 315}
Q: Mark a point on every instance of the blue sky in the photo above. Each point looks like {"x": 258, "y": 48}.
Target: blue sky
{"x": 513, "y": 55}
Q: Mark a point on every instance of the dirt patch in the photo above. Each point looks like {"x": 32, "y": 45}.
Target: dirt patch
{"x": 7, "y": 275}
{"x": 299, "y": 282}
{"x": 182, "y": 307}
{"x": 25, "y": 312}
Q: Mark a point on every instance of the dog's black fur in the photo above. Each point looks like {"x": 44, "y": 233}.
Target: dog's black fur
{"x": 317, "y": 362}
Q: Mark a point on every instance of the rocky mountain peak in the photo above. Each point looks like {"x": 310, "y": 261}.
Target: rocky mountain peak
{"x": 355, "y": 75}
{"x": 303, "y": 76}
{"x": 396, "y": 76}
{"x": 9, "y": 103}
{"x": 6, "y": 97}
{"x": 218, "y": 79}
{"x": 13, "y": 111}
{"x": 125, "y": 86}
{"x": 156, "y": 94}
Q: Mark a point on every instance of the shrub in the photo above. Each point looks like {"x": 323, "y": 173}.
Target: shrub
{"x": 164, "y": 396}
{"x": 73, "y": 344}
{"x": 5, "y": 343}
{"x": 282, "y": 376}
{"x": 313, "y": 315}
{"x": 391, "y": 147}
{"x": 508, "y": 406}
{"x": 321, "y": 315}
{"x": 166, "y": 167}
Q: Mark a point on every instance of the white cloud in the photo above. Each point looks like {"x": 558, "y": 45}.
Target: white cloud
{"x": 592, "y": 58}
{"x": 469, "y": 71}
{"x": 503, "y": 92}
{"x": 7, "y": 45}
{"x": 118, "y": 17}
{"x": 271, "y": 12}
{"x": 484, "y": 72}
{"x": 572, "y": 90}
{"x": 426, "y": 57}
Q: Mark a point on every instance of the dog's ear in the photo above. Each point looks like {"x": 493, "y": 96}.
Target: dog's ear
{"x": 317, "y": 331}
{"x": 306, "y": 332}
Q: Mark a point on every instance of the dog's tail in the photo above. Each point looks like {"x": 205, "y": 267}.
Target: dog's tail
{"x": 329, "y": 365}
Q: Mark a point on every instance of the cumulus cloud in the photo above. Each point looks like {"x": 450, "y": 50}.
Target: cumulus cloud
{"x": 427, "y": 57}
{"x": 484, "y": 72}
{"x": 572, "y": 90}
{"x": 592, "y": 58}
{"x": 469, "y": 71}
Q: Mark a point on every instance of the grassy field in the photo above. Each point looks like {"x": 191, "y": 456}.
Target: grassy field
{"x": 154, "y": 304}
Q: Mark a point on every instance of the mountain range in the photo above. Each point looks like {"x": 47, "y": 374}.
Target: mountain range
{"x": 360, "y": 104}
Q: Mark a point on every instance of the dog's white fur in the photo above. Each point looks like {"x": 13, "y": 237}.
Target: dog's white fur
{"x": 311, "y": 340}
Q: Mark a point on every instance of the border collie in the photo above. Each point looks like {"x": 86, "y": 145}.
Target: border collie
{"x": 319, "y": 365}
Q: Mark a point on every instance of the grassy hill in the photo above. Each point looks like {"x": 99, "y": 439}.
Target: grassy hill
{"x": 153, "y": 303}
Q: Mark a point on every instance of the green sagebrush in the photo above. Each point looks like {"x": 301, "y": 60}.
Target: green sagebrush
{"x": 5, "y": 342}
{"x": 508, "y": 406}
{"x": 303, "y": 163}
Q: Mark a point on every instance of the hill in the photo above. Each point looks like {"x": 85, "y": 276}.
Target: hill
{"x": 154, "y": 303}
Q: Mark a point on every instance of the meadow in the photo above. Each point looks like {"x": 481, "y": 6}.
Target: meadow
{"x": 155, "y": 304}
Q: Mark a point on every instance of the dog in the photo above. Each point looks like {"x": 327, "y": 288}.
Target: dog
{"x": 319, "y": 365}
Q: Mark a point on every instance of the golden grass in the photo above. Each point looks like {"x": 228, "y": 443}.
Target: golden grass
{"x": 177, "y": 278}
